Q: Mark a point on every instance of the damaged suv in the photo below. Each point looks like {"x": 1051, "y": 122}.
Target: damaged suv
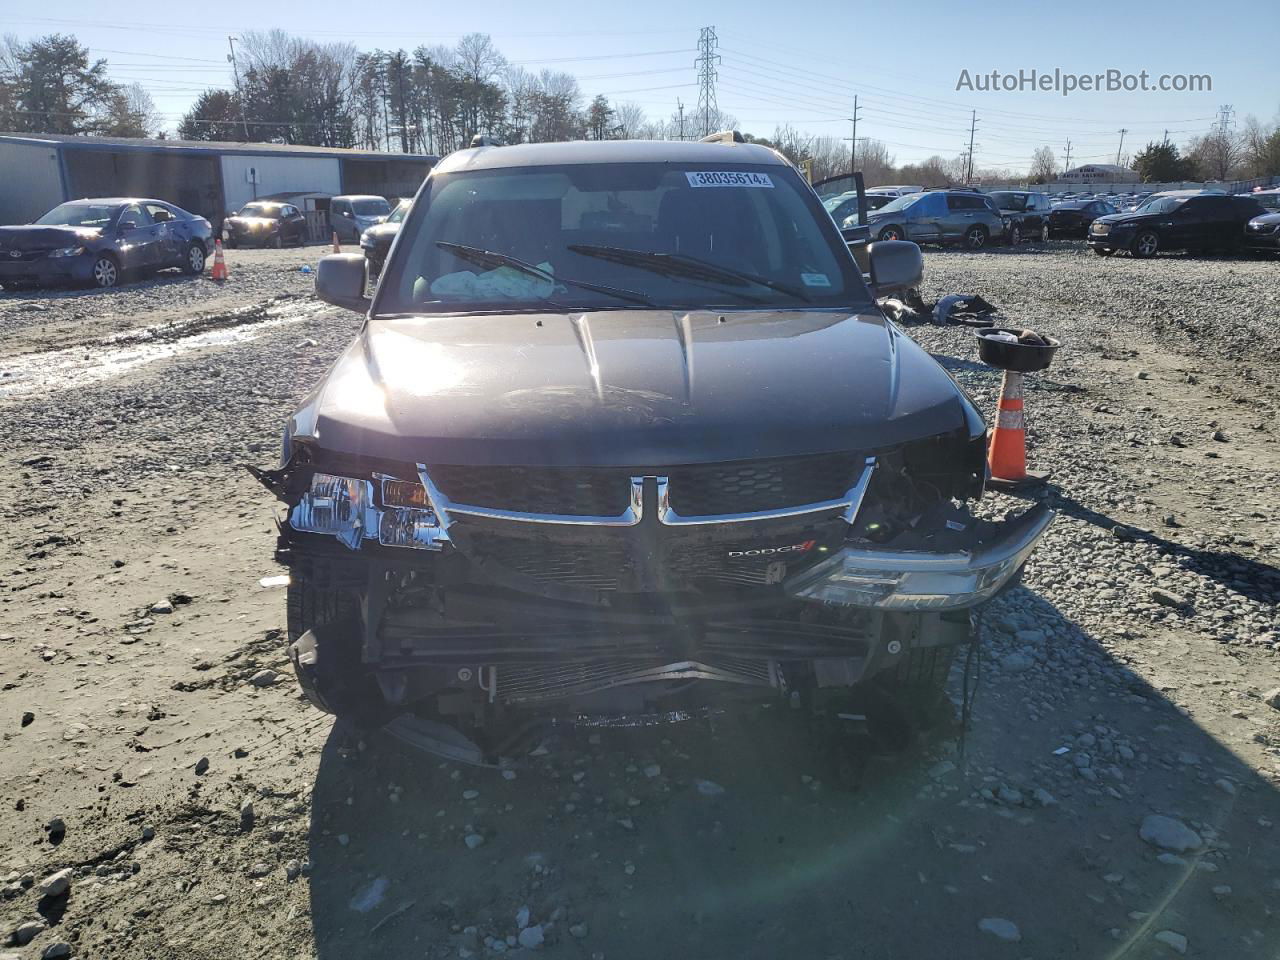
{"x": 625, "y": 437}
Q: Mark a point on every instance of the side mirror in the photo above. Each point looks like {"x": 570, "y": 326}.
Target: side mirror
{"x": 340, "y": 280}
{"x": 894, "y": 265}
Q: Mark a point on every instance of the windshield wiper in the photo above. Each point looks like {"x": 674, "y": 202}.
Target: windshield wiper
{"x": 491, "y": 258}
{"x": 683, "y": 265}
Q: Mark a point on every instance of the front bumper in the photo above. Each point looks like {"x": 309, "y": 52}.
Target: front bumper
{"x": 77, "y": 269}
{"x": 1262, "y": 241}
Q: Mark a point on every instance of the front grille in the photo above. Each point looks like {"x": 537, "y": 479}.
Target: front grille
{"x": 699, "y": 490}
{"x": 595, "y": 565}
{"x": 575, "y": 491}
{"x": 25, "y": 256}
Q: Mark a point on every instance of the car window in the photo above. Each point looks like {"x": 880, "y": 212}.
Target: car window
{"x": 79, "y": 215}
{"x": 901, "y": 203}
{"x": 288, "y": 211}
{"x": 341, "y": 207}
{"x": 373, "y": 207}
{"x": 1006, "y": 200}
{"x": 160, "y": 212}
{"x": 135, "y": 213}
{"x": 965, "y": 201}
{"x": 620, "y": 226}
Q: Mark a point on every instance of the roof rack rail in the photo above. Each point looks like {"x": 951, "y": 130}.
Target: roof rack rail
{"x": 484, "y": 140}
{"x": 724, "y": 136}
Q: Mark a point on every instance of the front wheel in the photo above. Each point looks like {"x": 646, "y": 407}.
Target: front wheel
{"x": 277, "y": 242}
{"x": 1044, "y": 233}
{"x": 193, "y": 264}
{"x": 106, "y": 272}
{"x": 1015, "y": 235}
{"x": 1145, "y": 244}
{"x": 975, "y": 238}
{"x": 892, "y": 233}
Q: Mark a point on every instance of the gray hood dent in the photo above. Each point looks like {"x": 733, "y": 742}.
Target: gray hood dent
{"x": 629, "y": 388}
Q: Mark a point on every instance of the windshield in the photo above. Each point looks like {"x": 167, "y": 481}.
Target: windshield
{"x": 1010, "y": 201}
{"x": 79, "y": 215}
{"x": 260, "y": 210}
{"x": 901, "y": 203}
{"x": 832, "y": 202}
{"x": 397, "y": 215}
{"x": 375, "y": 207}
{"x": 635, "y": 233}
{"x": 1161, "y": 205}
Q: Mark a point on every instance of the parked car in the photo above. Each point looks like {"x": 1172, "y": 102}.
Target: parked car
{"x": 844, "y": 207}
{"x": 898, "y": 190}
{"x": 98, "y": 241}
{"x": 376, "y": 241}
{"x": 1025, "y": 214}
{"x": 1263, "y": 232}
{"x": 1072, "y": 219}
{"x": 512, "y": 500}
{"x": 350, "y": 216}
{"x": 939, "y": 216}
{"x": 1176, "y": 221}
{"x": 265, "y": 223}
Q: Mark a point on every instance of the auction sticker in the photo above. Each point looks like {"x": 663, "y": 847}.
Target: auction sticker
{"x": 728, "y": 178}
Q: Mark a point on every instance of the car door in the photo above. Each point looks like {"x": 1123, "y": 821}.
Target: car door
{"x": 171, "y": 237}
{"x": 922, "y": 219}
{"x": 138, "y": 240}
{"x": 342, "y": 219}
{"x": 962, "y": 213}
{"x": 1188, "y": 225}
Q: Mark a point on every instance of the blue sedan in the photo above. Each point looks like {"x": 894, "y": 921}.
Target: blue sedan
{"x": 97, "y": 242}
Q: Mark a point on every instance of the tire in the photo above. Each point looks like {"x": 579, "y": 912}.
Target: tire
{"x": 1044, "y": 233}
{"x": 337, "y": 684}
{"x": 231, "y": 243}
{"x": 105, "y": 273}
{"x": 892, "y": 232}
{"x": 277, "y": 242}
{"x": 1103, "y": 252}
{"x": 975, "y": 238}
{"x": 193, "y": 263}
{"x": 1015, "y": 235}
{"x": 1145, "y": 244}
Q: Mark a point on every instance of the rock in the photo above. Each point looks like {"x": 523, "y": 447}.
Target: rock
{"x": 202, "y": 766}
{"x": 1226, "y": 786}
{"x": 941, "y": 769}
{"x": 1169, "y": 834}
{"x": 1044, "y": 797}
{"x": 259, "y": 869}
{"x": 1017, "y": 662}
{"x": 1001, "y": 929}
{"x": 292, "y": 870}
{"x": 56, "y": 884}
{"x": 708, "y": 788}
{"x": 1272, "y": 698}
{"x": 29, "y": 718}
{"x": 1009, "y": 796}
{"x": 24, "y": 933}
{"x": 470, "y": 794}
{"x": 162, "y": 606}
{"x": 1168, "y": 598}
{"x": 264, "y": 678}
{"x": 246, "y": 815}
{"x": 531, "y": 938}
{"x": 652, "y": 770}
{"x": 56, "y": 951}
{"x": 57, "y": 829}
{"x": 473, "y": 840}
{"x": 522, "y": 917}
{"x": 148, "y": 833}
{"x": 1174, "y": 941}
{"x": 578, "y": 930}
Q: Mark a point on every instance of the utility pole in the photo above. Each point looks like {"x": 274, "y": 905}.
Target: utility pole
{"x": 1067, "y": 161}
{"x": 235, "y": 72}
{"x": 853, "y": 142}
{"x": 708, "y": 42}
{"x": 1123, "y": 131}
{"x": 1165, "y": 141}
{"x": 680, "y": 110}
{"x": 973, "y": 126}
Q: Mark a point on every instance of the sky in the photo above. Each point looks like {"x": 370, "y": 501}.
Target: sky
{"x": 779, "y": 62}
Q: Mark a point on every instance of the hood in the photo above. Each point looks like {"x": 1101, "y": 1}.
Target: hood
{"x": 382, "y": 231}
{"x": 1266, "y": 220}
{"x": 630, "y": 387}
{"x": 37, "y": 237}
{"x": 1130, "y": 217}
{"x": 256, "y": 223}
{"x": 371, "y": 218}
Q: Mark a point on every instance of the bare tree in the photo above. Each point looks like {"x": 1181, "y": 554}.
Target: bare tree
{"x": 1044, "y": 165}
{"x": 1217, "y": 154}
{"x": 875, "y": 162}
{"x": 629, "y": 119}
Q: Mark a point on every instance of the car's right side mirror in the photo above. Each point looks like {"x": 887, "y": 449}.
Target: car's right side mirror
{"x": 340, "y": 280}
{"x": 894, "y": 265}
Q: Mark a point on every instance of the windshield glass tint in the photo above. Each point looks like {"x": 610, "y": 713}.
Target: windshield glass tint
{"x": 78, "y": 215}
{"x": 371, "y": 208}
{"x": 1010, "y": 201}
{"x": 602, "y": 225}
{"x": 260, "y": 210}
{"x": 1162, "y": 205}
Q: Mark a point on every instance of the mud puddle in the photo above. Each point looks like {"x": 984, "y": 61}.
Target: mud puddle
{"x": 84, "y": 364}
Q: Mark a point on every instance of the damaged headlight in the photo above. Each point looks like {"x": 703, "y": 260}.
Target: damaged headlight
{"x": 339, "y": 506}
{"x": 408, "y": 519}
{"x": 909, "y": 580}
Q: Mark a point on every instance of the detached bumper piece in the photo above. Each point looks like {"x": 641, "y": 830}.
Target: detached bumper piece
{"x": 907, "y": 580}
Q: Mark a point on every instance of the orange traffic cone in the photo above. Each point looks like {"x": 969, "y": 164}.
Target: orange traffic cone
{"x": 337, "y": 248}
{"x": 1007, "y": 455}
{"x": 219, "y": 271}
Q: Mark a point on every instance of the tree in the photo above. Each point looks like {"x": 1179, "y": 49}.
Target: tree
{"x": 1261, "y": 149}
{"x": 50, "y": 86}
{"x": 130, "y": 112}
{"x": 630, "y": 120}
{"x": 599, "y": 119}
{"x": 214, "y": 116}
{"x": 1217, "y": 154}
{"x": 1162, "y": 163}
{"x": 1044, "y": 165}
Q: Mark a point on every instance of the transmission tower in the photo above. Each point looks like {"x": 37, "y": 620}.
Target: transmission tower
{"x": 1226, "y": 121}
{"x": 708, "y": 43}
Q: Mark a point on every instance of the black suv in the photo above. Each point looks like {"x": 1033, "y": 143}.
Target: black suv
{"x": 625, "y": 437}
{"x": 1199, "y": 222}
{"x": 1025, "y": 214}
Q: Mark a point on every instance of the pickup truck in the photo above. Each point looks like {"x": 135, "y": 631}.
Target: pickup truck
{"x": 624, "y": 438}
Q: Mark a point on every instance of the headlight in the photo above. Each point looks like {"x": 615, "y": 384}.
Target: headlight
{"x": 344, "y": 507}
{"x": 67, "y": 252}
{"x": 904, "y": 580}
{"x": 366, "y": 242}
{"x": 1101, "y": 228}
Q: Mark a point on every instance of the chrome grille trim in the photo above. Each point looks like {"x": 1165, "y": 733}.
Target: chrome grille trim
{"x": 445, "y": 507}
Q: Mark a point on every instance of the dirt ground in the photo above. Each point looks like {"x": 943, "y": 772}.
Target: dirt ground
{"x": 155, "y": 745}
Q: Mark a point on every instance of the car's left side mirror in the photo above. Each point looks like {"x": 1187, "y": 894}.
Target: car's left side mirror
{"x": 340, "y": 280}
{"x": 894, "y": 265}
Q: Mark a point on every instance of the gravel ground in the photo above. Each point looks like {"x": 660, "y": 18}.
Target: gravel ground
{"x": 168, "y": 793}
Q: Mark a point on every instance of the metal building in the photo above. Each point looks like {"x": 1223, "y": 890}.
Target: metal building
{"x": 39, "y": 171}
